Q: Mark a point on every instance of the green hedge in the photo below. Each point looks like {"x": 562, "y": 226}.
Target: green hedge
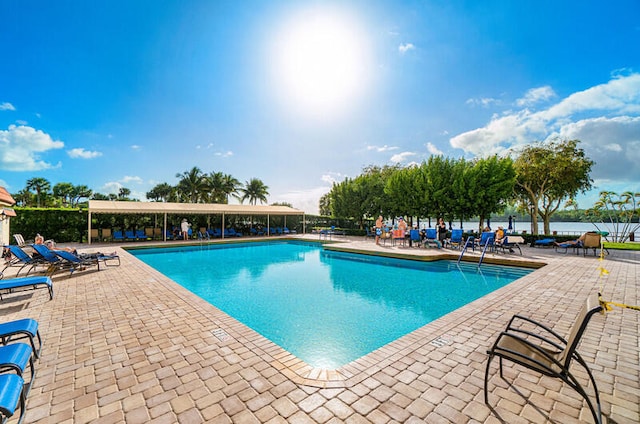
{"x": 62, "y": 225}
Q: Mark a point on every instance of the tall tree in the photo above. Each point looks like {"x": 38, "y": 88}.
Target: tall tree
{"x": 80, "y": 192}
{"x": 123, "y": 193}
{"x": 494, "y": 182}
{"x": 254, "y": 190}
{"x": 62, "y": 192}
{"x": 160, "y": 193}
{"x": 549, "y": 173}
{"x": 192, "y": 184}
{"x": 324, "y": 204}
{"x": 40, "y": 185}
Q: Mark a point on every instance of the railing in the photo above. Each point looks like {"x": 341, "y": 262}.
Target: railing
{"x": 466, "y": 245}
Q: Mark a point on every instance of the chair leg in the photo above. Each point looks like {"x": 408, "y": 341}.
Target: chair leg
{"x": 486, "y": 379}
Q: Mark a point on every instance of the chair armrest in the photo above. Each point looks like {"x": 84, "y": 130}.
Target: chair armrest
{"x": 512, "y": 327}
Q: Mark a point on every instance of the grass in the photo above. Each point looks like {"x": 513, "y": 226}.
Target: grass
{"x": 622, "y": 246}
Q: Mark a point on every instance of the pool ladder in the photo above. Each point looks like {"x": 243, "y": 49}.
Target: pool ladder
{"x": 471, "y": 241}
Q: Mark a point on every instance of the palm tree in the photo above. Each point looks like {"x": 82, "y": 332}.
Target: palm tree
{"x": 62, "y": 191}
{"x": 254, "y": 190}
{"x": 192, "y": 184}
{"x": 215, "y": 187}
{"x": 78, "y": 193}
{"x": 230, "y": 187}
{"x": 123, "y": 193}
{"x": 161, "y": 192}
{"x": 40, "y": 185}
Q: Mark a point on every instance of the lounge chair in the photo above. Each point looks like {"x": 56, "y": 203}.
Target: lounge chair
{"x": 141, "y": 235}
{"x": 11, "y": 393}
{"x": 22, "y": 259}
{"x": 509, "y": 243}
{"x": 431, "y": 238}
{"x": 77, "y": 262}
{"x": 456, "y": 241}
{"x": 118, "y": 236}
{"x": 571, "y": 244}
{"x": 545, "y": 242}
{"x": 19, "y": 240}
{"x": 34, "y": 282}
{"x": 54, "y": 262}
{"x": 15, "y": 357}
{"x": 25, "y": 328}
{"x": 538, "y": 348}
{"x": 106, "y": 234}
{"x": 592, "y": 241}
{"x": 129, "y": 235}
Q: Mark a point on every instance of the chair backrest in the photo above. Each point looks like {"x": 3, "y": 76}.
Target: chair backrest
{"x": 67, "y": 256}
{"x": 592, "y": 240}
{"x": 415, "y": 235}
{"x": 148, "y": 231}
{"x": 591, "y": 306}
{"x": 19, "y": 253}
{"x": 432, "y": 234}
{"x": 94, "y": 234}
{"x": 487, "y": 236}
{"x": 19, "y": 239}
{"x": 106, "y": 233}
{"x": 45, "y": 252}
{"x": 456, "y": 235}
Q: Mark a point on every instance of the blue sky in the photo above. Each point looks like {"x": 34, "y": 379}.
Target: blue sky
{"x": 300, "y": 94}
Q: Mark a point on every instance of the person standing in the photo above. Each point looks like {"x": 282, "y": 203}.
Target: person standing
{"x": 378, "y": 229}
{"x": 442, "y": 230}
{"x": 184, "y": 228}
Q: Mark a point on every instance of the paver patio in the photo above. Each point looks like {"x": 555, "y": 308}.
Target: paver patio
{"x": 127, "y": 344}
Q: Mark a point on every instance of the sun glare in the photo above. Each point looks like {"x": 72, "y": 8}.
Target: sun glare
{"x": 321, "y": 62}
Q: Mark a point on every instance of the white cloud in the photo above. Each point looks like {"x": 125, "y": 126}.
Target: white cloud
{"x": 482, "y": 101}
{"x": 112, "y": 187}
{"x": 20, "y": 147}
{"x": 432, "y": 149}
{"x": 7, "y": 106}
{"x": 403, "y": 48}
{"x": 128, "y": 179}
{"x": 536, "y": 95}
{"x": 136, "y": 147}
{"x": 384, "y": 148}
{"x": 401, "y": 157}
{"x": 226, "y": 154}
{"x": 606, "y": 118}
{"x": 83, "y": 154}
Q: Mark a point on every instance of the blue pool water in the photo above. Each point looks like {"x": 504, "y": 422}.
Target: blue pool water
{"x": 327, "y": 308}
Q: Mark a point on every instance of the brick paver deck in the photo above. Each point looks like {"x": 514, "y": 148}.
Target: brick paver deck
{"x": 126, "y": 344}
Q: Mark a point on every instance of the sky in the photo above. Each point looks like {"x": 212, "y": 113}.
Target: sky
{"x": 302, "y": 94}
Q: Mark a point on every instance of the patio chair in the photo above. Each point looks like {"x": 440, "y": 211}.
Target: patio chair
{"x": 432, "y": 238}
{"x": 22, "y": 259}
{"x": 509, "y": 243}
{"x": 15, "y": 357}
{"x": 545, "y": 242}
{"x": 26, "y": 328}
{"x": 456, "y": 241}
{"x": 539, "y": 348}
{"x": 414, "y": 237}
{"x": 53, "y": 261}
{"x": 26, "y": 283}
{"x": 118, "y": 236}
{"x": 19, "y": 239}
{"x": 77, "y": 262}
{"x": 592, "y": 241}
{"x": 11, "y": 393}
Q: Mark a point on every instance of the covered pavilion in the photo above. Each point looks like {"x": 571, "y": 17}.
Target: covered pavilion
{"x": 166, "y": 208}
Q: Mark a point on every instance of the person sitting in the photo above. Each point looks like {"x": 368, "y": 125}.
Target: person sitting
{"x": 499, "y": 238}
{"x": 579, "y": 240}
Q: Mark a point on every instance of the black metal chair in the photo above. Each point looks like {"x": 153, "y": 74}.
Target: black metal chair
{"x": 526, "y": 343}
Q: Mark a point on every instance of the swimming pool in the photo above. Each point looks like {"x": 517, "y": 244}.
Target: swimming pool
{"x": 327, "y": 308}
